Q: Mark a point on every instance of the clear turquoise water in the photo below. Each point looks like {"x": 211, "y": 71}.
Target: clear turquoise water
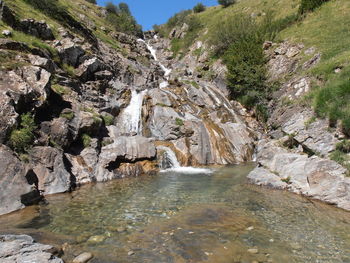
{"x": 188, "y": 218}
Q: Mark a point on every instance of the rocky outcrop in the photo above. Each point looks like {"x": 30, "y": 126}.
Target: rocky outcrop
{"x": 16, "y": 192}
{"x": 22, "y": 248}
{"x": 50, "y": 168}
{"x": 313, "y": 176}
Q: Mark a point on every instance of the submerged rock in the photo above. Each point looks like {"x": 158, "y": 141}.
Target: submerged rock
{"x": 22, "y": 248}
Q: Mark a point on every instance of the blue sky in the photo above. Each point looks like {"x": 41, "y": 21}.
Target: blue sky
{"x": 150, "y": 12}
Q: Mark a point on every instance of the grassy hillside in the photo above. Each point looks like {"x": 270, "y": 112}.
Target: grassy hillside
{"x": 80, "y": 10}
{"x": 327, "y": 29}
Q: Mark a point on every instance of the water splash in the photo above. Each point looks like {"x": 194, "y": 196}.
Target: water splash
{"x": 130, "y": 118}
{"x": 171, "y": 164}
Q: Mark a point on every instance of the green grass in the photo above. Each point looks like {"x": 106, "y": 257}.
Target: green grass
{"x": 179, "y": 122}
{"x": 86, "y": 140}
{"x": 68, "y": 115}
{"x": 22, "y": 138}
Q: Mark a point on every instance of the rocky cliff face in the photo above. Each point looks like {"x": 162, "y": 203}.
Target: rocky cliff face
{"x": 102, "y": 114}
{"x": 294, "y": 155}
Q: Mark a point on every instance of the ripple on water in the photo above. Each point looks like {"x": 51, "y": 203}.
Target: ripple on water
{"x": 181, "y": 217}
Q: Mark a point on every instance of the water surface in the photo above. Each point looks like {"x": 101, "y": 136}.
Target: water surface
{"x": 174, "y": 217}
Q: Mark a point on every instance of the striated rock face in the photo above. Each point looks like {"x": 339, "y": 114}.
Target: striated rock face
{"x": 315, "y": 177}
{"x": 15, "y": 192}
{"x": 22, "y": 248}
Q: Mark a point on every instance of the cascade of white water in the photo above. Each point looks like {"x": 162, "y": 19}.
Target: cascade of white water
{"x": 175, "y": 165}
{"x": 166, "y": 70}
{"x": 130, "y": 118}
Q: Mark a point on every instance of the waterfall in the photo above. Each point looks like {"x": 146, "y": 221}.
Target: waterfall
{"x": 130, "y": 118}
{"x": 166, "y": 70}
{"x": 171, "y": 164}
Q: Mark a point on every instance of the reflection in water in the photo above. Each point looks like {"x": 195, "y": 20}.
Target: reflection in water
{"x": 174, "y": 217}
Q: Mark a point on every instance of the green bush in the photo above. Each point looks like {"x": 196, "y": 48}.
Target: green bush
{"x": 343, "y": 146}
{"x": 198, "y": 8}
{"x": 92, "y": 1}
{"x": 21, "y": 139}
{"x": 310, "y": 5}
{"x": 86, "y": 140}
{"x": 226, "y": 3}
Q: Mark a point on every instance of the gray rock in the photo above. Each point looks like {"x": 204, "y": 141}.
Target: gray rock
{"x": 16, "y": 191}
{"x": 88, "y": 68}
{"x": 316, "y": 177}
{"x": 22, "y": 248}
{"x": 124, "y": 150}
{"x": 38, "y": 29}
{"x": 50, "y": 168}
{"x": 83, "y": 258}
{"x": 69, "y": 51}
{"x": 6, "y": 33}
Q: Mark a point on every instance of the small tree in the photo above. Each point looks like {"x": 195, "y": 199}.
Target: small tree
{"x": 111, "y": 8}
{"x": 199, "y": 8}
{"x": 226, "y": 3}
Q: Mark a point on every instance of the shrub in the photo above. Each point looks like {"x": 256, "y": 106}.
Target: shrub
{"x": 226, "y": 3}
{"x": 343, "y": 146}
{"x": 86, "y": 140}
{"x": 198, "y": 8}
{"x": 179, "y": 122}
{"x": 22, "y": 138}
{"x": 92, "y": 1}
{"x": 310, "y": 5}
{"x": 108, "y": 119}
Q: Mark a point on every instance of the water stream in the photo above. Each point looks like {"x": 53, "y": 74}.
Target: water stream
{"x": 130, "y": 119}
{"x": 166, "y": 70}
{"x": 177, "y": 217}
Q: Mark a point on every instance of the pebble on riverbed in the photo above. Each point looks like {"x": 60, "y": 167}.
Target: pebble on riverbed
{"x": 130, "y": 253}
{"x": 83, "y": 258}
{"x": 253, "y": 250}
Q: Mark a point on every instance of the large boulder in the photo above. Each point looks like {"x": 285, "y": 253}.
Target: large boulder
{"x": 121, "y": 158}
{"x": 69, "y": 51}
{"x": 316, "y": 177}
{"x": 52, "y": 171}
{"x": 15, "y": 192}
{"x": 22, "y": 248}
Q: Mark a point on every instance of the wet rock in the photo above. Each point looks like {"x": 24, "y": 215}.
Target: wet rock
{"x": 83, "y": 258}
{"x": 50, "y": 169}
{"x": 16, "y": 191}
{"x": 22, "y": 248}
{"x": 96, "y": 239}
{"x": 253, "y": 250}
